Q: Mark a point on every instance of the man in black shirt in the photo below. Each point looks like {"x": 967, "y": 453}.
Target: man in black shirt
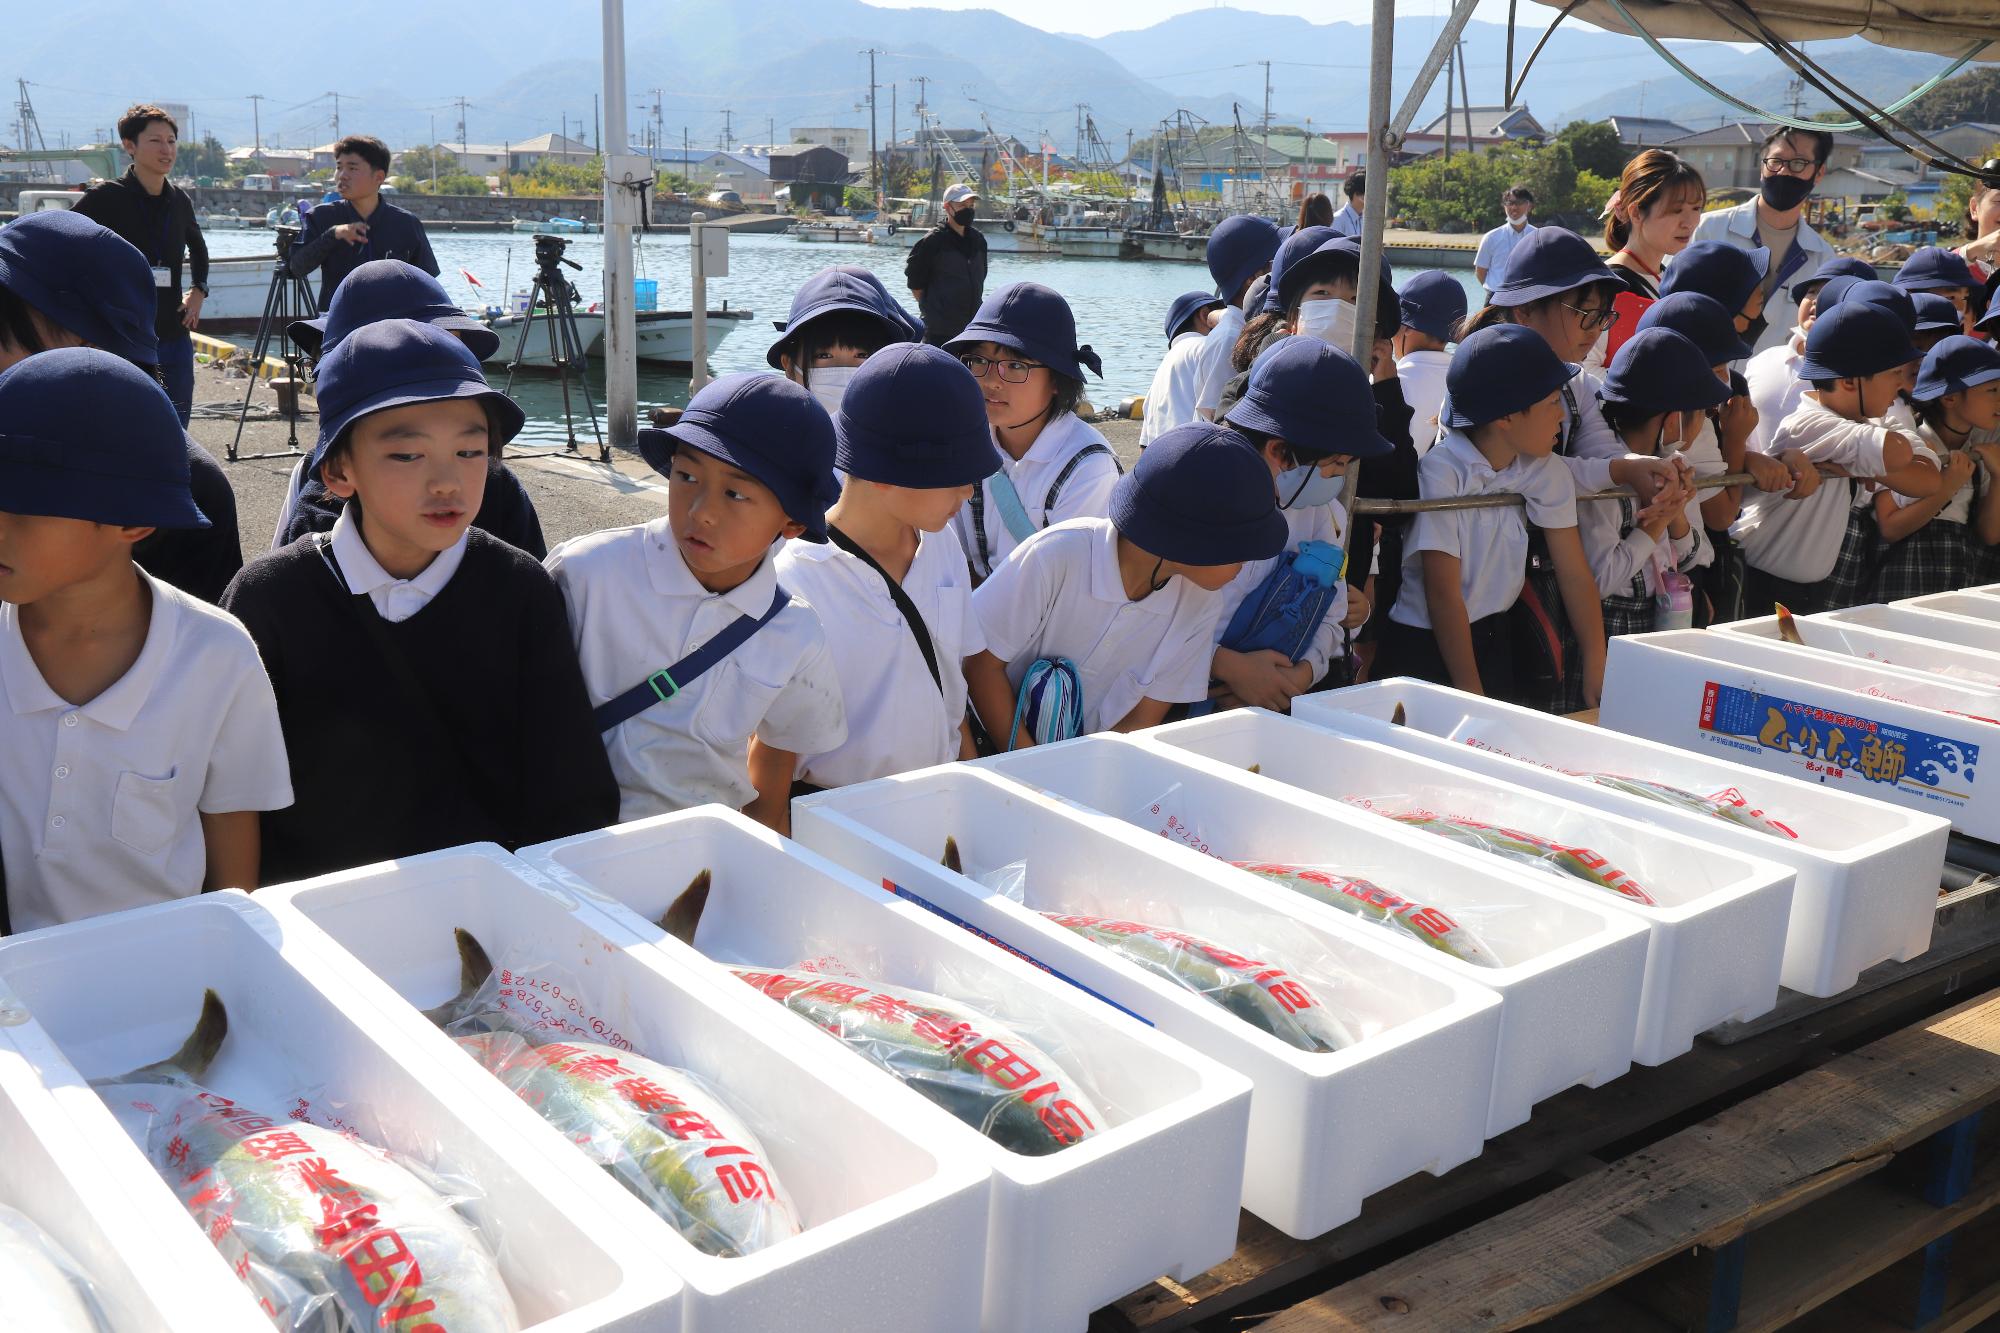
{"x": 947, "y": 269}
{"x": 341, "y": 237}
{"x": 158, "y": 220}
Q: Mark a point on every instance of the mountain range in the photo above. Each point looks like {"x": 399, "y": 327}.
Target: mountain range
{"x": 525, "y": 67}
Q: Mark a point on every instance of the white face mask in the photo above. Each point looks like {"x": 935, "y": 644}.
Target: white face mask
{"x": 1331, "y": 321}
{"x": 1303, "y": 487}
{"x": 829, "y": 384}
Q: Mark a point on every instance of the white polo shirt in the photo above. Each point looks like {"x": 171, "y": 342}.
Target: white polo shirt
{"x": 1799, "y": 540}
{"x": 1924, "y": 441}
{"x": 1087, "y": 493}
{"x": 1491, "y": 544}
{"x": 1422, "y": 377}
{"x": 1060, "y": 595}
{"x": 1775, "y": 388}
{"x": 1170, "y": 402}
{"x": 1314, "y": 523}
{"x": 1348, "y": 221}
{"x": 394, "y": 599}
{"x": 634, "y": 608}
{"x": 100, "y": 803}
{"x": 1496, "y": 247}
{"x": 1216, "y": 345}
{"x": 897, "y": 716}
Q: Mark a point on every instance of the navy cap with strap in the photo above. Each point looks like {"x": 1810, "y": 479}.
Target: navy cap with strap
{"x": 1840, "y": 266}
{"x": 390, "y": 289}
{"x": 1035, "y": 321}
{"x": 1936, "y": 313}
{"x": 1433, "y": 302}
{"x": 766, "y": 427}
{"x": 1854, "y": 340}
{"x": 1956, "y": 364}
{"x": 1237, "y": 249}
{"x": 1872, "y": 291}
{"x": 400, "y": 363}
{"x": 842, "y": 288}
{"x": 1333, "y": 256}
{"x": 85, "y": 278}
{"x": 1549, "y": 262}
{"x": 1934, "y": 269}
{"x": 1726, "y": 272}
{"x": 914, "y": 416}
{"x": 1296, "y": 247}
{"x": 1701, "y": 318}
{"x": 1200, "y": 495}
{"x": 1500, "y": 370}
{"x": 1313, "y": 396}
{"x": 88, "y": 435}
{"x": 1185, "y": 307}
{"x": 1661, "y": 370}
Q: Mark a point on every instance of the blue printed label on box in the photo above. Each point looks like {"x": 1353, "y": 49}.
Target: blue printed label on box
{"x": 1834, "y": 746}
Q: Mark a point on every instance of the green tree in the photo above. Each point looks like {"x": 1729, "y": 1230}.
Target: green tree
{"x": 203, "y": 157}
{"x": 1896, "y": 207}
{"x": 1464, "y": 194}
{"x": 427, "y": 160}
{"x": 1594, "y": 146}
{"x": 1972, "y": 95}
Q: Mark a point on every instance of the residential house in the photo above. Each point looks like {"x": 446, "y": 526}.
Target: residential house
{"x": 849, "y": 143}
{"x": 1490, "y": 124}
{"x": 1637, "y": 133}
{"x": 275, "y": 162}
{"x": 486, "y": 159}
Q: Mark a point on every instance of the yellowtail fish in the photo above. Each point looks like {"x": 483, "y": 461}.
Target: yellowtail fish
{"x": 1739, "y": 815}
{"x": 1557, "y": 858}
{"x": 1371, "y": 902}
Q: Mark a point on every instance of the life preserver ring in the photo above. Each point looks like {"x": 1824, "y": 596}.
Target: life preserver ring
{"x": 892, "y": 229}
{"x": 1010, "y": 224}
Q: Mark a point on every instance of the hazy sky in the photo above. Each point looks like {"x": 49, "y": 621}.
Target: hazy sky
{"x": 1105, "y": 16}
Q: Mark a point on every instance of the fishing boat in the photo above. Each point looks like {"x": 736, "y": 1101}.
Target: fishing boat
{"x": 238, "y": 286}
{"x": 538, "y": 351}
{"x": 557, "y": 226}
{"x": 666, "y": 337}
{"x": 830, "y": 232}
{"x": 230, "y": 221}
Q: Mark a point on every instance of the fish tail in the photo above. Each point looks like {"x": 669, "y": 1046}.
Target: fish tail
{"x": 684, "y": 915}
{"x": 474, "y": 967}
{"x": 1399, "y": 717}
{"x": 1788, "y": 629}
{"x": 952, "y": 862}
{"x": 198, "y": 1051}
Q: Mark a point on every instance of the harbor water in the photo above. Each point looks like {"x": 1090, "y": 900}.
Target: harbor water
{"x": 1120, "y": 304}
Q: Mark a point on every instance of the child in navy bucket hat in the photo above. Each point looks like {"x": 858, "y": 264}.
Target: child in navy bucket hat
{"x": 1432, "y": 306}
{"x": 710, "y": 678}
{"x": 1816, "y": 554}
{"x": 429, "y": 693}
{"x": 1463, "y": 570}
{"x": 1055, "y": 466}
{"x": 1772, "y": 375}
{"x": 1241, "y": 251}
{"x": 1928, "y": 544}
{"x": 1125, "y": 606}
{"x": 140, "y": 736}
{"x": 840, "y": 316}
{"x": 912, "y": 440}
{"x": 1171, "y": 399}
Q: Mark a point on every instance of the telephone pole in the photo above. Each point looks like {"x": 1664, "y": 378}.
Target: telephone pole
{"x": 728, "y": 134}
{"x": 461, "y": 104}
{"x": 336, "y": 113}
{"x": 1267, "y": 115}
{"x": 874, "y": 159}
{"x": 256, "y": 101}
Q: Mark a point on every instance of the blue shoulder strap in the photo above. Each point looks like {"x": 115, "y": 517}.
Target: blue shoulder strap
{"x": 665, "y": 683}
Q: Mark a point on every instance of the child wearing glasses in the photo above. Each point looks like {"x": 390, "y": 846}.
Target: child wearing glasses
{"x": 1055, "y": 466}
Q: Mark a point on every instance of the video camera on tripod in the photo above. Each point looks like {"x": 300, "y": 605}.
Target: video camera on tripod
{"x": 551, "y": 253}
{"x": 552, "y": 302}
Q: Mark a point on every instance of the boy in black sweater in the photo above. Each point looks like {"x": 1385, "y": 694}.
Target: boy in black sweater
{"x": 423, "y": 669}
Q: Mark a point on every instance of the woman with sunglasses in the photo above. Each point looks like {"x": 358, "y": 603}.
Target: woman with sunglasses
{"x": 1054, "y": 466}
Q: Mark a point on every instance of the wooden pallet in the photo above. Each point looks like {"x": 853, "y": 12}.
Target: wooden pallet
{"x": 1272, "y": 1272}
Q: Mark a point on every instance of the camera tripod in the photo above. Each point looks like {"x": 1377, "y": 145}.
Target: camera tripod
{"x": 552, "y": 303}
{"x": 289, "y": 298}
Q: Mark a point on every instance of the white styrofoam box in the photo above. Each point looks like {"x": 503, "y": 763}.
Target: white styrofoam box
{"x": 1926, "y": 626}
{"x": 894, "y": 1227}
{"x": 1069, "y": 1231}
{"x": 1325, "y": 1129}
{"x": 1717, "y": 929}
{"x": 148, "y": 1268}
{"x": 1965, "y": 666}
{"x": 108, "y": 995}
{"x": 1867, "y": 871}
{"x": 1570, "y": 992}
{"x": 1974, "y": 604}
{"x": 1818, "y": 716}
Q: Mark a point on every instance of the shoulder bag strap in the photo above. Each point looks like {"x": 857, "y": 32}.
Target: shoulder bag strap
{"x": 911, "y": 616}
{"x": 1069, "y": 468}
{"x": 1008, "y": 501}
{"x": 669, "y": 681}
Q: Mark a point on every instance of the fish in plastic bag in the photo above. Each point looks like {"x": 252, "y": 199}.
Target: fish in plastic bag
{"x": 988, "y": 1076}
{"x": 662, "y": 1132}
{"x": 1259, "y": 993}
{"x": 1373, "y": 903}
{"x": 1577, "y": 862}
{"x": 41, "y": 1288}
{"x": 327, "y": 1232}
{"x": 1739, "y": 815}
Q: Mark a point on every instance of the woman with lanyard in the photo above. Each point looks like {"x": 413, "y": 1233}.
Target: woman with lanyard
{"x": 1649, "y": 219}
{"x": 1982, "y": 223}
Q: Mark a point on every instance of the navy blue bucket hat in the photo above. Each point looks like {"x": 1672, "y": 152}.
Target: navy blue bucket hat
{"x": 1841, "y": 266}
{"x": 1432, "y": 303}
{"x": 1185, "y": 307}
{"x": 1659, "y": 370}
{"x": 844, "y": 287}
{"x": 400, "y": 363}
{"x": 1936, "y": 313}
{"x": 390, "y": 289}
{"x": 1956, "y": 364}
{"x": 914, "y": 416}
{"x": 1501, "y": 370}
{"x": 88, "y": 435}
{"x": 1237, "y": 249}
{"x": 1871, "y": 291}
{"x": 1296, "y": 247}
{"x": 1934, "y": 269}
{"x": 1200, "y": 495}
{"x": 1705, "y": 320}
{"x": 1854, "y": 340}
{"x": 1035, "y": 321}
{"x": 1314, "y": 397}
{"x": 1550, "y": 262}
{"x": 84, "y": 277}
{"x": 1720, "y": 270}
{"x": 765, "y": 426}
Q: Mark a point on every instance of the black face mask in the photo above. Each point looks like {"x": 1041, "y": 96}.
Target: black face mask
{"x": 963, "y": 217}
{"x": 1756, "y": 330}
{"x": 1785, "y": 193}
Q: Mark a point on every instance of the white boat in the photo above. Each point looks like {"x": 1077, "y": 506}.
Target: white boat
{"x": 238, "y": 286}
{"x": 537, "y": 351}
{"x": 230, "y": 221}
{"x": 666, "y": 337}
{"x": 558, "y": 226}
{"x": 844, "y": 233}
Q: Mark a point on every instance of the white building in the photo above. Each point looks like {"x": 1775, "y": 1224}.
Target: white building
{"x": 849, "y": 143}
{"x": 491, "y": 159}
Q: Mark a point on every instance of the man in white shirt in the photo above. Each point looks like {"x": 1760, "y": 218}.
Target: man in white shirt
{"x": 1347, "y": 222}
{"x": 1792, "y": 163}
{"x": 1170, "y": 402}
{"x": 1490, "y": 265}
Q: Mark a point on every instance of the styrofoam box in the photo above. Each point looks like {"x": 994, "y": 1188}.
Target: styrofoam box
{"x": 1926, "y": 626}
{"x": 1069, "y": 1231}
{"x": 148, "y": 1268}
{"x": 1867, "y": 871}
{"x": 1974, "y": 604}
{"x": 1964, "y": 666}
{"x": 114, "y": 993}
{"x": 1325, "y": 1129}
{"x": 1717, "y": 936}
{"x": 894, "y": 1226}
{"x": 1820, "y": 716}
{"x": 1570, "y": 994}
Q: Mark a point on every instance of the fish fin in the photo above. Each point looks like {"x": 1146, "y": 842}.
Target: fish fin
{"x": 198, "y": 1051}
{"x": 951, "y": 858}
{"x": 1399, "y": 717}
{"x": 684, "y": 916}
{"x": 474, "y": 967}
{"x": 1256, "y": 768}
{"x": 1788, "y": 628}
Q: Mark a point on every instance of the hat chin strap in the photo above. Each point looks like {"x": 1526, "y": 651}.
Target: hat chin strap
{"x": 1153, "y": 580}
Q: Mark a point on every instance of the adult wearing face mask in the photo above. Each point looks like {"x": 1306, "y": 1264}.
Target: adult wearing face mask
{"x": 1792, "y": 162}
{"x": 1490, "y": 265}
{"x": 946, "y": 271}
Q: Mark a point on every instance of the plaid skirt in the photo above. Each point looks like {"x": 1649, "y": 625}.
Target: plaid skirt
{"x": 1982, "y": 562}
{"x": 1934, "y": 558}
{"x": 1854, "y": 569}
{"x": 1721, "y": 580}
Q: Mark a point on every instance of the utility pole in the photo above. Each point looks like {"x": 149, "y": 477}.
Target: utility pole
{"x": 728, "y": 134}
{"x": 596, "y": 125}
{"x": 461, "y": 104}
{"x": 621, "y": 357}
{"x": 923, "y": 82}
{"x": 1464, "y": 98}
{"x": 432, "y": 152}
{"x": 256, "y": 101}
{"x": 1450, "y": 60}
{"x": 336, "y": 113}
{"x": 1081, "y": 108}
{"x": 874, "y": 158}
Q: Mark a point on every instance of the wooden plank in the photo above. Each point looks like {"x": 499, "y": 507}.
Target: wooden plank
{"x": 1573, "y": 1123}
{"x": 1887, "y": 1301}
{"x": 1701, "y": 1187}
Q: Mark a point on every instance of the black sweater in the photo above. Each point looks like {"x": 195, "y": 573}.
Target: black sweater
{"x": 198, "y": 561}
{"x": 495, "y": 742}
{"x": 163, "y": 228}
{"x": 950, "y": 271}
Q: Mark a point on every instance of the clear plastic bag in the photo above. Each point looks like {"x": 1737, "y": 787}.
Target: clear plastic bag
{"x": 663, "y": 1132}
{"x": 1546, "y": 854}
{"x": 989, "y": 1076}
{"x": 41, "y": 1287}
